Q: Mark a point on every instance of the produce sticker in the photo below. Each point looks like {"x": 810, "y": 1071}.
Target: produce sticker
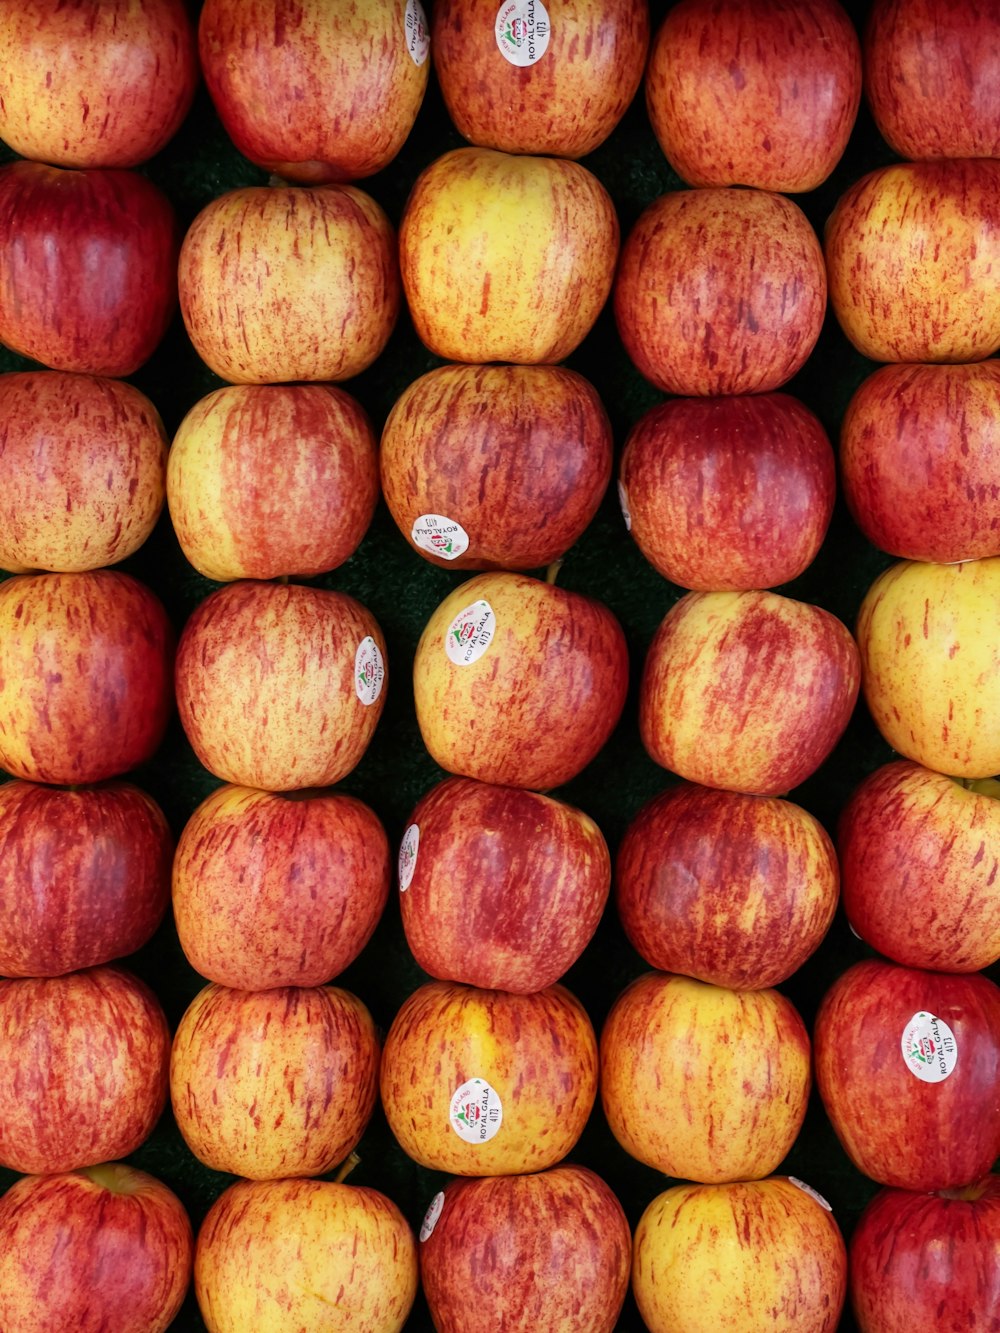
{"x": 408, "y": 856}
{"x": 470, "y": 633}
{"x": 431, "y": 1216}
{"x": 476, "y": 1113}
{"x": 439, "y": 536}
{"x": 623, "y": 501}
{"x": 369, "y": 671}
{"x": 418, "y": 36}
{"x": 808, "y": 1189}
{"x": 522, "y": 31}
{"x": 929, "y": 1048}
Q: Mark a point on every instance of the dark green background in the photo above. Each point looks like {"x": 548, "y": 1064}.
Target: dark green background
{"x": 402, "y": 590}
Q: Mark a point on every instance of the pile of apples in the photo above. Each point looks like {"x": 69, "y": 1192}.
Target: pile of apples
{"x": 587, "y": 1051}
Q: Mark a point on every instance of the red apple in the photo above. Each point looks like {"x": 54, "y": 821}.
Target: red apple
{"x": 539, "y": 78}
{"x": 98, "y": 83}
{"x": 84, "y": 464}
{"x": 501, "y": 888}
{"x": 919, "y": 454}
{"x": 912, "y": 252}
{"x": 270, "y": 481}
{"x": 907, "y": 1065}
{"x": 547, "y": 670}
{"x": 270, "y": 891}
{"x": 85, "y": 675}
{"x": 748, "y": 691}
{"x": 917, "y": 1260}
{"x": 931, "y": 76}
{"x": 476, "y": 290}
{"x": 325, "y": 90}
{"x": 278, "y": 283}
{"x": 735, "y": 890}
{"x": 105, "y": 1247}
{"x": 720, "y": 291}
{"x": 495, "y": 467}
{"x": 83, "y": 1069}
{"x": 88, "y": 267}
{"x": 84, "y": 876}
{"x": 280, "y": 686}
{"x": 728, "y": 493}
{"x": 754, "y": 92}
{"x": 530, "y": 1254}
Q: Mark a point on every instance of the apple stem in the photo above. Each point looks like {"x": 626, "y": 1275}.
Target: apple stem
{"x": 552, "y": 573}
{"x": 346, "y": 1167}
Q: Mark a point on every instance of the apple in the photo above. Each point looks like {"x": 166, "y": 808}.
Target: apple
{"x": 930, "y": 658}
{"x": 279, "y": 1256}
{"x": 102, "y": 83}
{"x": 702, "y": 1082}
{"x": 518, "y": 682}
{"x": 919, "y": 453}
{"x": 506, "y": 258}
{"x": 919, "y": 856}
{"x": 271, "y": 481}
{"x": 728, "y": 494}
{"x": 84, "y": 461}
{"x": 731, "y": 889}
{"x": 109, "y": 1246}
{"x": 85, "y": 675}
{"x": 326, "y": 90}
{"x": 753, "y": 92}
{"x": 280, "y": 686}
{"x": 912, "y": 251}
{"x": 742, "y": 1256}
{"x": 275, "y": 1083}
{"x": 500, "y": 888}
{"x": 282, "y": 283}
{"x": 88, "y": 267}
{"x": 913, "y": 1255}
{"x": 83, "y": 1069}
{"x": 720, "y": 291}
{"x": 748, "y": 691}
{"x": 533, "y": 1253}
{"x": 84, "y": 876}
{"x": 931, "y": 71}
{"x": 495, "y": 467}
{"x": 907, "y": 1063}
{"x": 539, "y": 78}
{"x": 272, "y": 891}
{"x": 486, "y": 1082}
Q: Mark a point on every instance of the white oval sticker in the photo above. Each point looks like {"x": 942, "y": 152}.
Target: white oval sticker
{"x": 418, "y": 35}
{"x": 808, "y": 1189}
{"x": 431, "y": 1216}
{"x": 623, "y": 501}
{"x": 522, "y": 31}
{"x": 470, "y": 634}
{"x": 476, "y": 1113}
{"x": 439, "y": 536}
{"x": 408, "y": 856}
{"x": 929, "y": 1048}
{"x": 369, "y": 671}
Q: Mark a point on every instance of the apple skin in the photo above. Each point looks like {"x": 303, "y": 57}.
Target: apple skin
{"x": 897, "y": 1128}
{"x": 276, "y": 1083}
{"x": 917, "y": 1260}
{"x": 552, "y": 679}
{"x": 919, "y": 855}
{"x": 919, "y": 454}
{"x": 752, "y": 92}
{"x": 84, "y": 876}
{"x": 84, "y": 461}
{"x": 84, "y": 1067}
{"x": 730, "y": 889}
{"x": 324, "y": 91}
{"x": 106, "y": 1247}
{"x": 747, "y": 691}
{"x": 929, "y": 659}
{"x": 85, "y": 675}
{"x": 475, "y": 290}
{"x": 568, "y": 101}
{"x": 537, "y": 1052}
{"x": 507, "y": 887}
{"x": 105, "y": 83}
{"x": 753, "y": 1255}
{"x": 729, "y": 494}
{"x": 279, "y": 1256}
{"x": 530, "y": 1254}
{"x": 88, "y": 267}
{"x": 720, "y": 291}
{"x": 267, "y": 689}
{"x": 702, "y": 1082}
{"x": 271, "y": 892}
{"x": 271, "y": 481}
{"x": 932, "y": 73}
{"x": 518, "y": 456}
{"x": 912, "y": 252}
{"x": 283, "y": 283}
